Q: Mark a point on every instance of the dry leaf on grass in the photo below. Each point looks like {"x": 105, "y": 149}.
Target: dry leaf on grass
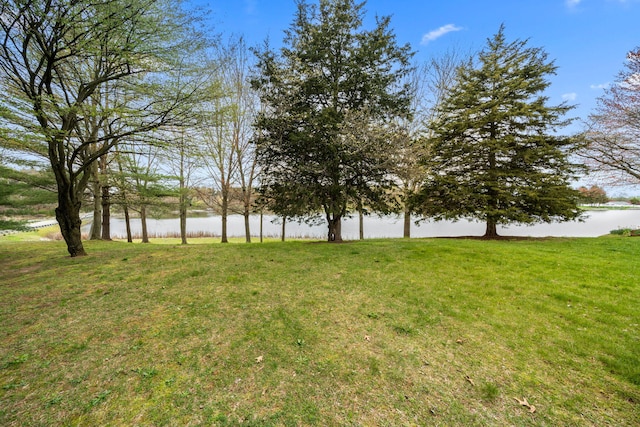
{"x": 524, "y": 403}
{"x": 259, "y": 359}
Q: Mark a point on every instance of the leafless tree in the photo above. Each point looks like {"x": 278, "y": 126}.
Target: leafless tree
{"x": 612, "y": 138}
{"x": 429, "y": 83}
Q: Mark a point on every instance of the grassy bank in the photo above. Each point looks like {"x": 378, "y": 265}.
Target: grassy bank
{"x": 388, "y": 332}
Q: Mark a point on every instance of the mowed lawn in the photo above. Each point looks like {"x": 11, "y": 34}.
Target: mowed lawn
{"x": 421, "y": 332}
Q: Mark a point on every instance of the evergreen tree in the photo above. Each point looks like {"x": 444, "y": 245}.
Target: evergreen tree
{"x": 329, "y": 72}
{"x": 495, "y": 154}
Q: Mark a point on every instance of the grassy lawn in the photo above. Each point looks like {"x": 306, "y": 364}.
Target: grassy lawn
{"x": 381, "y": 332}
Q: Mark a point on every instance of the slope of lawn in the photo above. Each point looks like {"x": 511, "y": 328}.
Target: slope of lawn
{"x": 382, "y": 332}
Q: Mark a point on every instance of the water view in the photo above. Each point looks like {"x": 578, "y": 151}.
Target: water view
{"x": 596, "y": 223}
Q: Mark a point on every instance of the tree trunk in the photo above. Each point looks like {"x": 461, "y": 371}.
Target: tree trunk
{"x": 407, "y": 191}
{"x": 183, "y": 211}
{"x": 247, "y": 227}
{"x": 225, "y": 212}
{"x": 407, "y": 223}
{"x": 94, "y": 233}
{"x": 127, "y": 224}
{"x": 183, "y": 196}
{"x": 106, "y": 213}
{"x": 125, "y": 204}
{"x": 492, "y": 203}
{"x": 68, "y": 217}
{"x": 143, "y": 221}
{"x": 491, "y": 230}
{"x": 284, "y": 226}
{"x": 261, "y": 224}
{"x": 361, "y": 223}
{"x": 224, "y": 238}
{"x": 335, "y": 229}
{"x": 183, "y": 224}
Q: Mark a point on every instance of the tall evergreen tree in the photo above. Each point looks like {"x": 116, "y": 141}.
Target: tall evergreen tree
{"x": 329, "y": 71}
{"x": 495, "y": 154}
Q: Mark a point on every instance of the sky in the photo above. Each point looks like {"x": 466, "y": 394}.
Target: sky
{"x": 587, "y": 39}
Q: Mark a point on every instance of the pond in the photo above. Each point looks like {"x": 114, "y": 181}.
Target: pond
{"x": 596, "y": 223}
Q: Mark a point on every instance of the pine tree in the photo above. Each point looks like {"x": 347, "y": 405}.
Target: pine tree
{"x": 329, "y": 73}
{"x": 495, "y": 155}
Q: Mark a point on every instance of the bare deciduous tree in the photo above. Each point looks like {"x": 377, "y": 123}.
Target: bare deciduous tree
{"x": 429, "y": 83}
{"x": 613, "y": 136}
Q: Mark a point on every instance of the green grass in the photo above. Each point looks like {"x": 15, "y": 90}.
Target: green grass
{"x": 381, "y": 332}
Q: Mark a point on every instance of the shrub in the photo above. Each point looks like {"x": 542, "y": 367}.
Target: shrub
{"x": 621, "y": 231}
{"x": 625, "y": 232}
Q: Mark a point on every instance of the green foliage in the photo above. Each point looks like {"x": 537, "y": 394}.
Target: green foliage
{"x": 621, "y": 231}
{"x": 490, "y": 391}
{"x": 13, "y": 225}
{"x": 326, "y": 96}
{"x": 495, "y": 155}
{"x": 82, "y": 75}
{"x": 24, "y": 191}
{"x": 627, "y": 232}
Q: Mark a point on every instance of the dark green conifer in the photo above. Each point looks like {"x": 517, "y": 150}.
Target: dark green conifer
{"x": 495, "y": 155}
{"x": 327, "y": 97}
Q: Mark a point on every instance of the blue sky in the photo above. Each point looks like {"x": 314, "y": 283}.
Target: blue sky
{"x": 588, "y": 39}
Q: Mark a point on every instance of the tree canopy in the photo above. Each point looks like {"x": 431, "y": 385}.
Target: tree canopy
{"x": 337, "y": 120}
{"x": 494, "y": 154}
{"x": 60, "y": 61}
{"x": 331, "y": 76}
{"x": 613, "y": 136}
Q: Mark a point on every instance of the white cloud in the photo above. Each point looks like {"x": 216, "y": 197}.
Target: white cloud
{"x": 600, "y": 86}
{"x": 569, "y": 96}
{"x": 572, "y": 3}
{"x": 434, "y": 34}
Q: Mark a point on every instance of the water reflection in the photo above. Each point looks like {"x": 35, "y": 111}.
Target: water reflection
{"x": 596, "y": 223}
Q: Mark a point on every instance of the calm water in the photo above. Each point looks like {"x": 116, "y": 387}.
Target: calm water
{"x": 595, "y": 224}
